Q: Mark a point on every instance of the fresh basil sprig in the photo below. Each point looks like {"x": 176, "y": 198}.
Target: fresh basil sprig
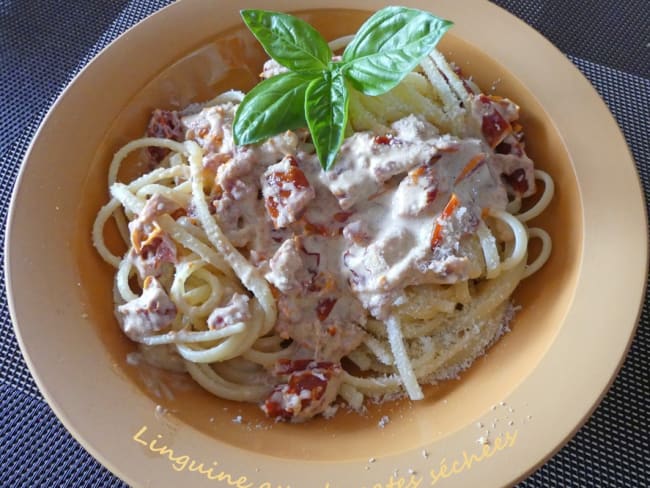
{"x": 314, "y": 92}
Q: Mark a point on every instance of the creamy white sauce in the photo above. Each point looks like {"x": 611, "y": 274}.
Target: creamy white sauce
{"x": 151, "y": 312}
{"x": 342, "y": 245}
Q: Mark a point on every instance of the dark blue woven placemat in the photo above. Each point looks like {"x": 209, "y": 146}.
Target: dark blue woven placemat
{"x": 44, "y": 43}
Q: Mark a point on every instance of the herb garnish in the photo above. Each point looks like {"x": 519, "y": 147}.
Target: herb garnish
{"x": 314, "y": 92}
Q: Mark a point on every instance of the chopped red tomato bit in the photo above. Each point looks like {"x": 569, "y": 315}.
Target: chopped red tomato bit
{"x": 280, "y": 187}
{"x": 416, "y": 173}
{"x": 451, "y": 206}
{"x": 494, "y": 126}
{"x": 306, "y": 386}
{"x": 324, "y": 308}
{"x": 342, "y": 217}
{"x": 474, "y": 163}
{"x": 436, "y": 236}
{"x": 165, "y": 124}
{"x": 517, "y": 180}
{"x": 273, "y": 409}
{"x": 318, "y": 229}
{"x": 384, "y": 140}
{"x": 431, "y": 195}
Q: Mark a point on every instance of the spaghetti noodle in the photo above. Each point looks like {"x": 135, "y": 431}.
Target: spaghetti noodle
{"x": 271, "y": 281}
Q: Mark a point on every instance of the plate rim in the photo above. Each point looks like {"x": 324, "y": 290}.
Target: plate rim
{"x": 9, "y": 267}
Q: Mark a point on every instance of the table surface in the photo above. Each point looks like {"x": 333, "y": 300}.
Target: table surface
{"x": 44, "y": 43}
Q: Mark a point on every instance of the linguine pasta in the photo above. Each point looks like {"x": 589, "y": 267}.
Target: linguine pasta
{"x": 271, "y": 281}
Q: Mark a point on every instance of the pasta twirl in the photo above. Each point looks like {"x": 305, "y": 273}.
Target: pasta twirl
{"x": 270, "y": 280}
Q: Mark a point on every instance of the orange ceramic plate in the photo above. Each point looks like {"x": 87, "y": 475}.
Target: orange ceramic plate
{"x": 528, "y": 395}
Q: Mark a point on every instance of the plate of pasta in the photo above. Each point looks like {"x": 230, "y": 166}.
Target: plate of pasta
{"x": 366, "y": 244}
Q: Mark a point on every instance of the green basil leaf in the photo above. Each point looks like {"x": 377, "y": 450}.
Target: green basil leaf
{"x": 291, "y": 41}
{"x": 388, "y": 46}
{"x": 326, "y": 110}
{"x": 273, "y": 106}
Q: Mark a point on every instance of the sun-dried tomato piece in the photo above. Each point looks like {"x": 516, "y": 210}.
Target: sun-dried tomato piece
{"x": 324, "y": 308}
{"x": 309, "y": 389}
{"x": 165, "y": 124}
{"x": 286, "y": 192}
